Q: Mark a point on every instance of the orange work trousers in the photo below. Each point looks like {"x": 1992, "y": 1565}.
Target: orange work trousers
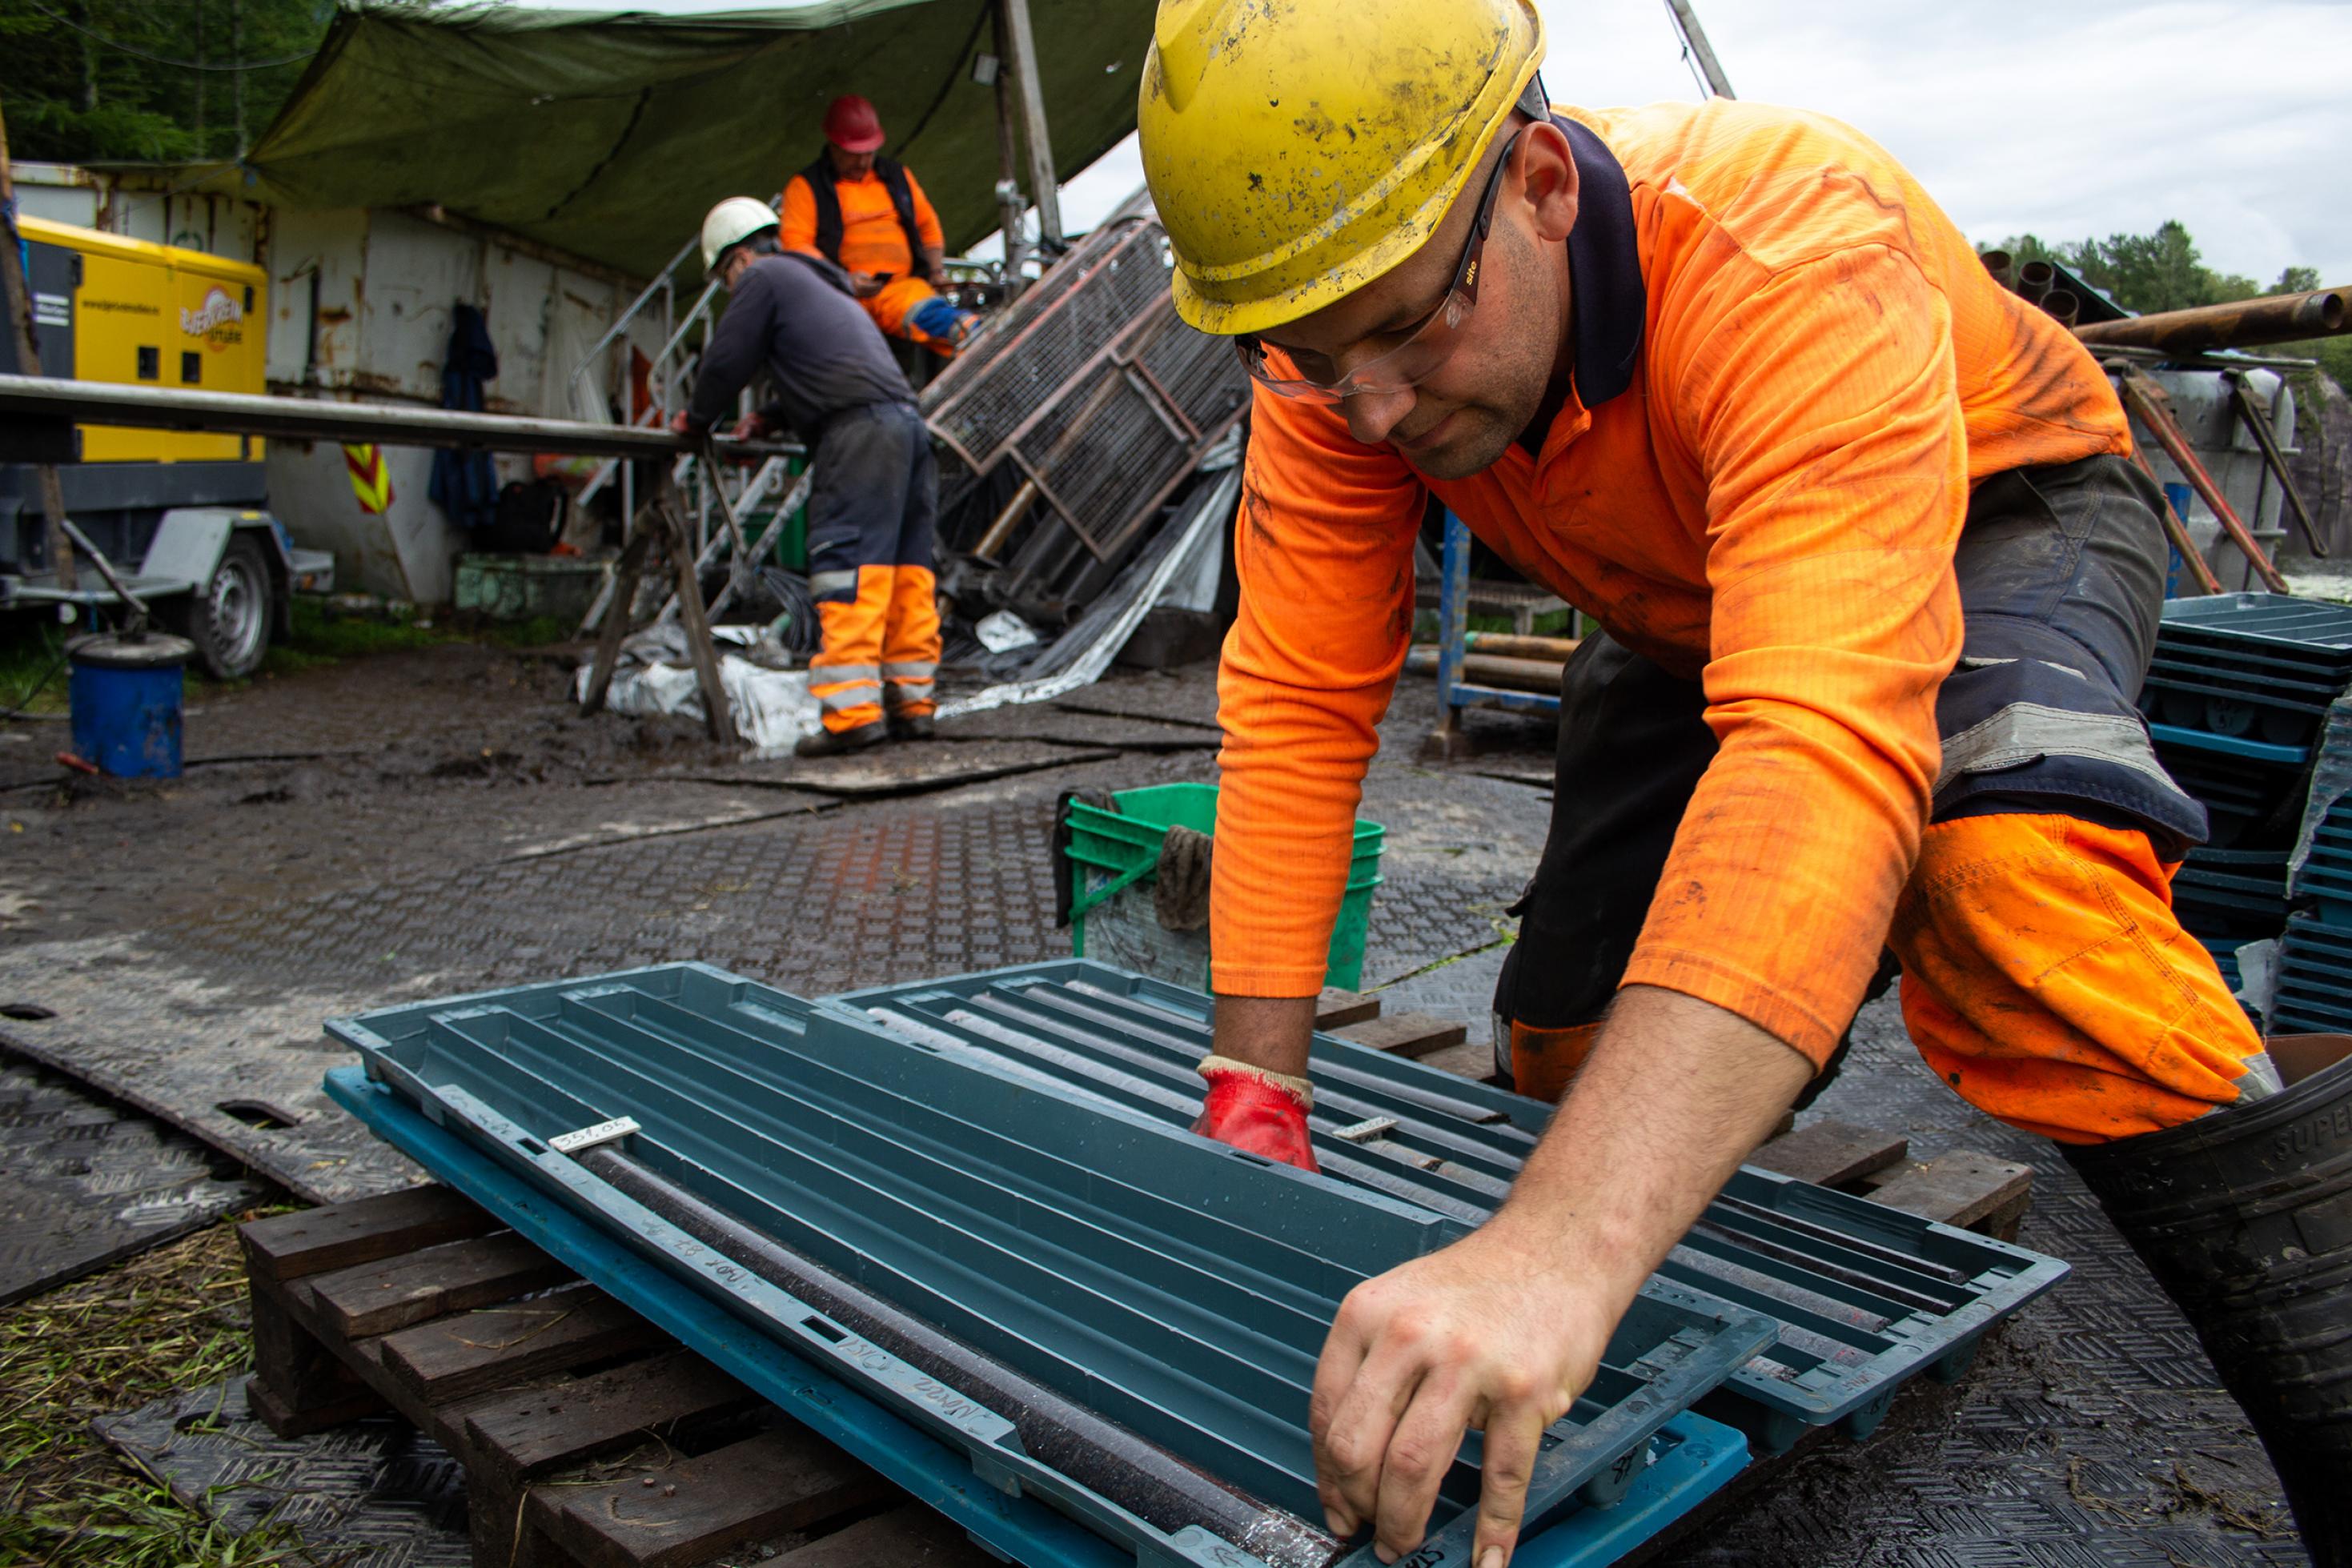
{"x": 873, "y": 510}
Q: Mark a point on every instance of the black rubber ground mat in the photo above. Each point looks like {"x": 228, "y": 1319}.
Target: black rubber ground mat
{"x": 85, "y": 1183}
{"x": 373, "y": 1491}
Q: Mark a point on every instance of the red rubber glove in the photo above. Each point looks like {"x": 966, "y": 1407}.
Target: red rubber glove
{"x": 1261, "y": 1112}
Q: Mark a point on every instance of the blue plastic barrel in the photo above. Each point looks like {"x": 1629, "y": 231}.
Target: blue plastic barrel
{"x": 125, "y": 696}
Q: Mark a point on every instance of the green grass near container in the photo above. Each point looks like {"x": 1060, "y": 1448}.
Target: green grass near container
{"x": 1115, "y": 853}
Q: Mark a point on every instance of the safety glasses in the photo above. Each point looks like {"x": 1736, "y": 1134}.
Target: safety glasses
{"x": 1293, "y": 374}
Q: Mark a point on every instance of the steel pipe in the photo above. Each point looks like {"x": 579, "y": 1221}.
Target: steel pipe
{"x": 1141, "y": 1476}
{"x": 2062, "y": 304}
{"x": 308, "y": 419}
{"x": 1510, "y": 645}
{"x": 2003, "y": 267}
{"x": 2033, "y": 281}
{"x": 2242, "y": 323}
{"x": 1491, "y": 670}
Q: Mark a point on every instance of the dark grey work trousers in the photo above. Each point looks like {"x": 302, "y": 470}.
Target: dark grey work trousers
{"x": 2062, "y": 575}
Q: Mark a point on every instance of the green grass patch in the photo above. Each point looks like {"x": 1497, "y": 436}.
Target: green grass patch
{"x": 321, "y": 639}
{"x": 538, "y": 632}
{"x": 164, "y": 1322}
{"x": 31, "y": 674}
{"x": 1551, "y": 623}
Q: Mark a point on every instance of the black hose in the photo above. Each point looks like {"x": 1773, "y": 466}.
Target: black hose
{"x": 789, "y": 589}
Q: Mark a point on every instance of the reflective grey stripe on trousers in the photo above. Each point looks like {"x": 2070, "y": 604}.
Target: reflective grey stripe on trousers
{"x": 827, "y": 584}
{"x": 851, "y": 696}
{"x": 921, "y": 670}
{"x": 839, "y": 675}
{"x": 2061, "y": 574}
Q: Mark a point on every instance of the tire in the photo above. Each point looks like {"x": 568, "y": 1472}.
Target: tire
{"x": 228, "y": 617}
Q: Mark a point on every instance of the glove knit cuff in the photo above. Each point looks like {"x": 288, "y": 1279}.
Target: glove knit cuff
{"x": 1298, "y": 1089}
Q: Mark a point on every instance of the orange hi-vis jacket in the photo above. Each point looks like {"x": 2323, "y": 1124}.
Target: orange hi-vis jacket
{"x": 872, "y": 240}
{"x": 1790, "y": 367}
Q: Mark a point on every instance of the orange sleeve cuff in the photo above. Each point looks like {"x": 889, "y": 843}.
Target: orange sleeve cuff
{"x": 1711, "y": 978}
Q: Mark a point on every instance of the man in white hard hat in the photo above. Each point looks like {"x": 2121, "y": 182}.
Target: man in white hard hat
{"x": 874, "y": 501}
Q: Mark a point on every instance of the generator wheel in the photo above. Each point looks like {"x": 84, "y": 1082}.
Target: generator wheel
{"x": 228, "y": 617}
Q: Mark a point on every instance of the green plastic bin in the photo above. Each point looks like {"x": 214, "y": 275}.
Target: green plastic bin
{"x": 1114, "y": 859}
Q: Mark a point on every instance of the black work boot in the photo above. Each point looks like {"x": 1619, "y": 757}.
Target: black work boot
{"x": 2244, "y": 1215}
{"x": 910, "y": 726}
{"x": 833, "y": 742}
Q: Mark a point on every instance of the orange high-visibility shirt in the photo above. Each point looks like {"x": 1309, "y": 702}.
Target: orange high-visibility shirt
{"x": 872, "y": 240}
{"x": 1790, "y": 367}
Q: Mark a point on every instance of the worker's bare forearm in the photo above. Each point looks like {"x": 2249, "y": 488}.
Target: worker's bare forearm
{"x": 935, "y": 264}
{"x": 1677, "y": 1093}
{"x": 1272, "y": 1032}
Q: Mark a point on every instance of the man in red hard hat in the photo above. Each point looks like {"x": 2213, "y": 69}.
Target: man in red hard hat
{"x": 866, "y": 213}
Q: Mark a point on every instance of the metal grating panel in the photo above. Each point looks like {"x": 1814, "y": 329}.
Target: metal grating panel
{"x": 1176, "y": 1286}
{"x": 1031, "y": 357}
{"x": 1867, "y": 1296}
{"x": 1095, "y": 389}
{"x": 2307, "y": 630}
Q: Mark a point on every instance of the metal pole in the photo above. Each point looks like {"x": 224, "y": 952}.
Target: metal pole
{"x": 1686, "y": 18}
{"x": 19, "y": 291}
{"x": 1009, "y": 205}
{"x": 2144, "y": 397}
{"x": 2241, "y": 324}
{"x": 1045, "y": 189}
{"x": 137, "y": 606}
{"x": 2265, "y": 437}
{"x": 311, "y": 419}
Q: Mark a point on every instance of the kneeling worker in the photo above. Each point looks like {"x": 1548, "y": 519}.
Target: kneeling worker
{"x": 854, "y": 206}
{"x": 874, "y": 500}
{"x": 1879, "y": 584}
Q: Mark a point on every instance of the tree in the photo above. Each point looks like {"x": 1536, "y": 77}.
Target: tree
{"x": 2161, "y": 270}
{"x": 102, "y": 80}
{"x": 2156, "y": 271}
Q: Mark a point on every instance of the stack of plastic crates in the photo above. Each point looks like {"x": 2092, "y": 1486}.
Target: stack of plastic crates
{"x": 2315, "y": 983}
{"x": 2237, "y": 698}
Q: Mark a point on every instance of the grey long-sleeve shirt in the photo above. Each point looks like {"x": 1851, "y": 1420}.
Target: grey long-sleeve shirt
{"x": 824, "y": 350}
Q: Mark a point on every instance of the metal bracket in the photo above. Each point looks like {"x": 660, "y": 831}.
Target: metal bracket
{"x": 1362, "y": 1132}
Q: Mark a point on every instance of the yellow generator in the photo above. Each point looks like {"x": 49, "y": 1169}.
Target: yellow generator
{"x": 184, "y": 514}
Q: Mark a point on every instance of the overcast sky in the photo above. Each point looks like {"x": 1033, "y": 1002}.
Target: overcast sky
{"x": 2101, "y": 117}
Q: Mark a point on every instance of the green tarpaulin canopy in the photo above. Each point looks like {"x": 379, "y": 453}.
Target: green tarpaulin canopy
{"x": 607, "y": 130}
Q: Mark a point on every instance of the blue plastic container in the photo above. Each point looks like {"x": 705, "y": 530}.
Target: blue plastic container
{"x": 124, "y": 692}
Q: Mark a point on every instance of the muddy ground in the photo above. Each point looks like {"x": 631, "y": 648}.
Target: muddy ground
{"x": 437, "y": 821}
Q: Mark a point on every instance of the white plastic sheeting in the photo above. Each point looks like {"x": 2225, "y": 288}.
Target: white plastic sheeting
{"x": 1080, "y": 655}
{"x": 771, "y": 707}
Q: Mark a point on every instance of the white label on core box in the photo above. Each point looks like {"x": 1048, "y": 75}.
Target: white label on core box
{"x": 589, "y": 1137}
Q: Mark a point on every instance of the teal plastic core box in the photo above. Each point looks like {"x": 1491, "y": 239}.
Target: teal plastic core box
{"x": 1115, "y": 855}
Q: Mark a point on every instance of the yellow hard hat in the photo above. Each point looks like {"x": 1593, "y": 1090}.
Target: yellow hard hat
{"x": 1297, "y": 152}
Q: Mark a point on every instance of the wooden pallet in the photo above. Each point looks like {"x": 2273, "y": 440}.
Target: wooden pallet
{"x": 589, "y": 1438}
{"x": 1959, "y": 1186}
